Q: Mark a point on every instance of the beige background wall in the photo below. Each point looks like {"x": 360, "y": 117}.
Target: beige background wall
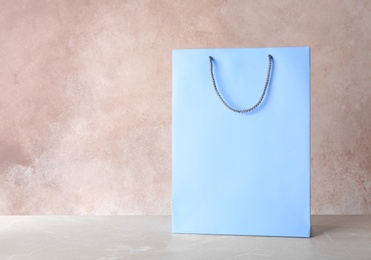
{"x": 85, "y": 102}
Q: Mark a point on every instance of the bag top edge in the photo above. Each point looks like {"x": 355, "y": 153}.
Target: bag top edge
{"x": 273, "y": 47}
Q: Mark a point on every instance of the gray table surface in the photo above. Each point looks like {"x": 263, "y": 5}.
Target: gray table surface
{"x": 150, "y": 237}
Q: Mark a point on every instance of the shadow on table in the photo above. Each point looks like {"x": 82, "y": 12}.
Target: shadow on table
{"x": 319, "y": 230}
{"x": 324, "y": 225}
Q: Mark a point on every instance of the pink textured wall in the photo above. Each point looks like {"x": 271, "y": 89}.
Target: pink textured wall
{"x": 85, "y": 104}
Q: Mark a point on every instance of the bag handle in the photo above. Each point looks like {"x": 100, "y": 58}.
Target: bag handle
{"x": 270, "y": 59}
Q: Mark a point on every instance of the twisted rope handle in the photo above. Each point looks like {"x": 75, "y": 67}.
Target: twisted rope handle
{"x": 270, "y": 59}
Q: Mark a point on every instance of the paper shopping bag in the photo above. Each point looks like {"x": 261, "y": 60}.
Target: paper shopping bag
{"x": 241, "y": 141}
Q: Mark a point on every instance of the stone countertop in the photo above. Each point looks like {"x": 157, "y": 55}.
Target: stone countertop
{"x": 150, "y": 237}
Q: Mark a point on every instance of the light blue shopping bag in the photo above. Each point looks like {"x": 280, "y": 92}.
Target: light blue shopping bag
{"x": 241, "y": 172}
